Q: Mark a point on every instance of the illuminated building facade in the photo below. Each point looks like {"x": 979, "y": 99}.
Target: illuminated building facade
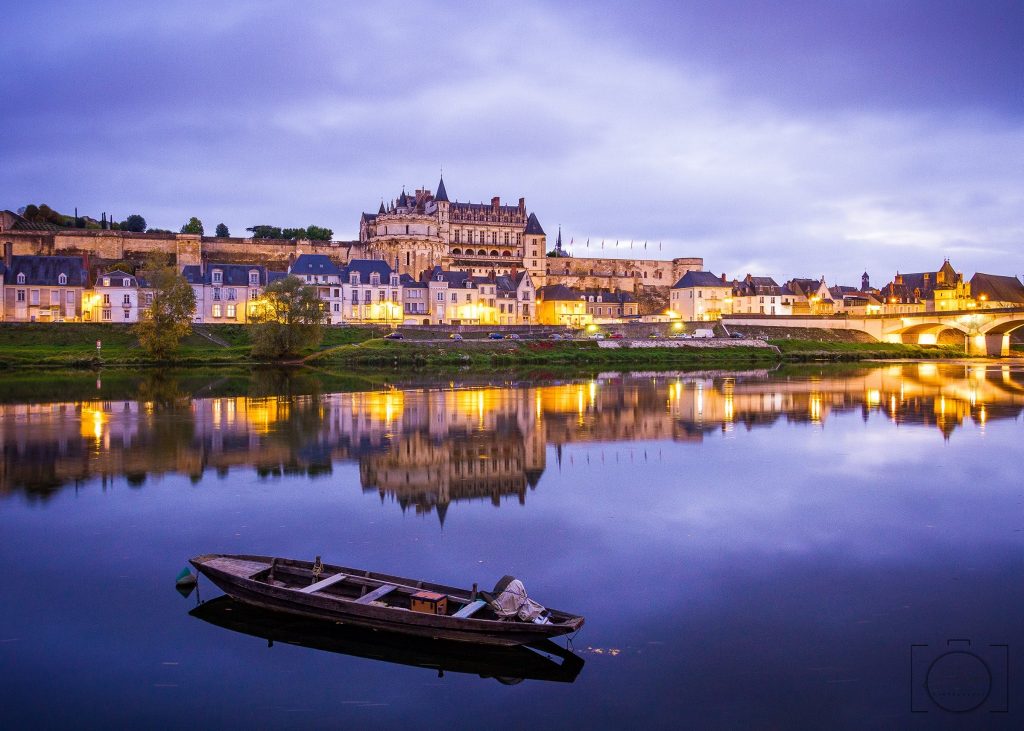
{"x": 227, "y": 293}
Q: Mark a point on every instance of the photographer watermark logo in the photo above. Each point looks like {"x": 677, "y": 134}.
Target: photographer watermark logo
{"x": 958, "y": 676}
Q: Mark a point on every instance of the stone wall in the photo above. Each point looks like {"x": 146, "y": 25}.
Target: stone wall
{"x": 623, "y": 274}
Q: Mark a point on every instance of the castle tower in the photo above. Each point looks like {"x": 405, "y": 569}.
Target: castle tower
{"x": 443, "y": 219}
{"x": 865, "y": 282}
{"x": 534, "y": 251}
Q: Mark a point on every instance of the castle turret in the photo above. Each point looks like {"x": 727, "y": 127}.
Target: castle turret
{"x": 443, "y": 213}
{"x": 534, "y": 248}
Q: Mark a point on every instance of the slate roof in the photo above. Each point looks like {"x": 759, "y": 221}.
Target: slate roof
{"x": 699, "y": 279}
{"x": 442, "y": 194}
{"x": 234, "y": 275}
{"x": 455, "y": 279}
{"x": 117, "y": 278}
{"x": 366, "y": 267}
{"x": 997, "y": 288}
{"x": 533, "y": 226}
{"x": 314, "y": 264}
{"x": 46, "y": 270}
{"x": 607, "y": 295}
{"x": 558, "y": 293}
{"x": 751, "y": 286}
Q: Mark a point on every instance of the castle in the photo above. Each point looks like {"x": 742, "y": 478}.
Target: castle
{"x": 422, "y": 230}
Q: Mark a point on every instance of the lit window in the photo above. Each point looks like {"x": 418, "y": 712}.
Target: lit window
{"x": 216, "y": 310}
{"x": 231, "y": 312}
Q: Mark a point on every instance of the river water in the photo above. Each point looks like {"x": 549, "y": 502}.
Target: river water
{"x": 811, "y": 547}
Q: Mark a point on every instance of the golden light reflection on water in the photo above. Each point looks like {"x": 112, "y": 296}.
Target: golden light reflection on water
{"x": 418, "y": 445}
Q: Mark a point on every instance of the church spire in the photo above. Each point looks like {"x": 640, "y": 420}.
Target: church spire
{"x": 558, "y": 241}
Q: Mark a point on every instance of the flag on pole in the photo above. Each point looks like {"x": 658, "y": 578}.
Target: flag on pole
{"x": 659, "y": 246}
{"x": 602, "y": 243}
{"x": 616, "y": 243}
{"x": 645, "y": 246}
{"x": 588, "y": 243}
{"x": 631, "y": 243}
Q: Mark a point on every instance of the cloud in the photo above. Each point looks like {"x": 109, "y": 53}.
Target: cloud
{"x": 265, "y": 114}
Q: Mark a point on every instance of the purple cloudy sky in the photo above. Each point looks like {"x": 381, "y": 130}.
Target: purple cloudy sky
{"x": 800, "y": 139}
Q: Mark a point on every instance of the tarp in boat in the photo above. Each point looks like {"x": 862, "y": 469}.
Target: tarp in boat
{"x": 511, "y": 600}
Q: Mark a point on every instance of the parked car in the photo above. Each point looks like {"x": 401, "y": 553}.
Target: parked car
{"x": 703, "y": 332}
{"x": 597, "y": 336}
{"x": 394, "y": 336}
{"x": 455, "y": 336}
{"x": 736, "y": 336}
{"x": 615, "y": 336}
{"x": 495, "y": 336}
{"x": 682, "y": 336}
{"x": 653, "y": 335}
{"x": 557, "y": 336}
{"x": 512, "y": 336}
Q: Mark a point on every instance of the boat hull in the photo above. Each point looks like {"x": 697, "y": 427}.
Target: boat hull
{"x": 388, "y": 619}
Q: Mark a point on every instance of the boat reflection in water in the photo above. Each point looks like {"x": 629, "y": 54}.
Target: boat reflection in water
{"x": 508, "y": 665}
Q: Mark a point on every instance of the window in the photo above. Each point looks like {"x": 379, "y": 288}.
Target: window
{"x": 458, "y": 238}
{"x": 216, "y": 294}
{"x": 218, "y": 276}
{"x": 54, "y": 296}
{"x": 126, "y": 300}
{"x": 367, "y": 296}
{"x": 149, "y": 298}
{"x": 106, "y": 299}
{"x": 469, "y": 297}
{"x": 353, "y": 278}
{"x": 127, "y": 314}
{"x": 106, "y": 314}
{"x": 69, "y": 297}
{"x": 440, "y": 296}
{"x": 62, "y": 278}
{"x": 394, "y": 296}
{"x": 231, "y": 294}
{"x": 455, "y": 297}
{"x": 380, "y": 296}
{"x": 254, "y": 277}
{"x": 374, "y": 279}
{"x": 337, "y": 293}
{"x": 21, "y": 277}
{"x": 231, "y": 312}
{"x": 337, "y": 307}
{"x": 254, "y": 294}
{"x": 216, "y": 310}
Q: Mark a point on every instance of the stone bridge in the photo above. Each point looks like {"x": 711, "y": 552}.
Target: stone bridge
{"x": 985, "y": 331}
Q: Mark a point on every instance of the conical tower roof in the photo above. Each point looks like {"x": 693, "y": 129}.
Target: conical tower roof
{"x": 442, "y": 194}
{"x": 533, "y": 226}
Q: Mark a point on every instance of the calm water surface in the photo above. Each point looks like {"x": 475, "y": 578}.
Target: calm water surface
{"x": 750, "y": 550}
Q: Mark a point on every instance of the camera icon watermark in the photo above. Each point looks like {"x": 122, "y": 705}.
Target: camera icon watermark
{"x": 959, "y": 676}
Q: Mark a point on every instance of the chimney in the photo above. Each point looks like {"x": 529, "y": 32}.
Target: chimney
{"x": 723, "y": 278}
{"x": 495, "y": 202}
{"x": 9, "y": 254}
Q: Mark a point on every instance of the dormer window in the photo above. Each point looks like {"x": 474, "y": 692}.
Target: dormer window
{"x": 353, "y": 278}
{"x": 126, "y": 282}
{"x": 106, "y": 281}
{"x": 254, "y": 277}
{"x": 218, "y": 276}
{"x": 394, "y": 280}
{"x": 62, "y": 278}
{"x": 21, "y": 278}
{"x": 374, "y": 279}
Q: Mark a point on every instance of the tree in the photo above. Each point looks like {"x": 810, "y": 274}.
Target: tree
{"x": 317, "y": 233}
{"x": 222, "y": 230}
{"x": 289, "y": 318}
{"x": 293, "y": 233}
{"x": 158, "y": 231}
{"x": 169, "y": 317}
{"x": 194, "y": 226}
{"x": 263, "y": 231}
{"x": 134, "y": 223}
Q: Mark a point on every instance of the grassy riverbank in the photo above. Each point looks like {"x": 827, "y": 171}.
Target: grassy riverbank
{"x": 67, "y": 345}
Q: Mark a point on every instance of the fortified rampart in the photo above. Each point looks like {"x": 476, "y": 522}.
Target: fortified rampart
{"x": 188, "y": 248}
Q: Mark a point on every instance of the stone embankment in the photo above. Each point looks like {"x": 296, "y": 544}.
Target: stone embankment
{"x": 694, "y": 343}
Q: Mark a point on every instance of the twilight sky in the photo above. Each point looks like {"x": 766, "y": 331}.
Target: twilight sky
{"x": 824, "y": 138}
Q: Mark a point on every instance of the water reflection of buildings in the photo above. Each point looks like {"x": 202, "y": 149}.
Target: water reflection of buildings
{"x": 426, "y": 449}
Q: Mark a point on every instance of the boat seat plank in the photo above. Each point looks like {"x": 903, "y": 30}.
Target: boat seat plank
{"x": 376, "y": 594}
{"x": 470, "y": 609}
{"x": 237, "y": 566}
{"x": 320, "y": 585}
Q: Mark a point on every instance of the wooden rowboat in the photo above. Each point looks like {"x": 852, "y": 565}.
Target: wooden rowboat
{"x": 544, "y": 660}
{"x": 374, "y": 600}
